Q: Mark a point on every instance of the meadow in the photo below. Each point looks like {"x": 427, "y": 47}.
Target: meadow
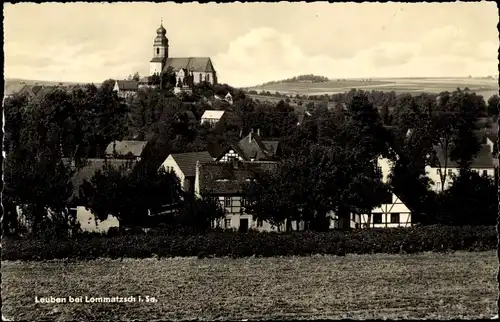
{"x": 485, "y": 87}
{"x": 425, "y": 285}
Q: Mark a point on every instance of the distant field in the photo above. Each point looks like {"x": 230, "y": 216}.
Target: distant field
{"x": 429, "y": 285}
{"x": 485, "y": 87}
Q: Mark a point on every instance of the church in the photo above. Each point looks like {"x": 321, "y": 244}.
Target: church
{"x": 187, "y": 69}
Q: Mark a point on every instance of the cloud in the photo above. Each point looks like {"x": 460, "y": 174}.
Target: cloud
{"x": 265, "y": 54}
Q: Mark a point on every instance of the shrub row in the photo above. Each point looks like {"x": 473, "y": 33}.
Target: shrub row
{"x": 219, "y": 244}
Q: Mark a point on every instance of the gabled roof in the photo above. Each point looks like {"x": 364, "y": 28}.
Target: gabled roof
{"x": 127, "y": 85}
{"x": 194, "y": 64}
{"x": 483, "y": 159}
{"x": 157, "y": 59}
{"x": 228, "y": 178}
{"x": 93, "y": 166}
{"x": 187, "y": 161}
{"x": 253, "y": 147}
{"x": 125, "y": 147}
{"x": 212, "y": 114}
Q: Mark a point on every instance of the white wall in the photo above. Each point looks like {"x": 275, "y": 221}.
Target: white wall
{"x": 230, "y": 154}
{"x": 196, "y": 77}
{"x": 155, "y": 68}
{"x": 88, "y": 223}
{"x": 385, "y": 166}
{"x": 170, "y": 163}
{"x": 433, "y": 174}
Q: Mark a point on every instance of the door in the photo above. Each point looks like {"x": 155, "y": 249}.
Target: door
{"x": 243, "y": 225}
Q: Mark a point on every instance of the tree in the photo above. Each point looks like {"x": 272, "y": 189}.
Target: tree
{"x": 493, "y": 105}
{"x": 199, "y": 214}
{"x": 136, "y": 77}
{"x": 470, "y": 200}
{"x": 129, "y": 195}
{"x": 38, "y": 181}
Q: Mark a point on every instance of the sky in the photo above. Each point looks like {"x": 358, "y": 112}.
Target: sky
{"x": 252, "y": 43}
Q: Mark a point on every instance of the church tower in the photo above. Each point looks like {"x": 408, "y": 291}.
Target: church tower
{"x": 160, "y": 54}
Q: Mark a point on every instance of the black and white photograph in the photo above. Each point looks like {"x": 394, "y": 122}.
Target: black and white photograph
{"x": 249, "y": 161}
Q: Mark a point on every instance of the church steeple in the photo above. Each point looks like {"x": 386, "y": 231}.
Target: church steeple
{"x": 160, "y": 50}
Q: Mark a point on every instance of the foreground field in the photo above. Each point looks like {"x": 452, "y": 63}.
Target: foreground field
{"x": 484, "y": 87}
{"x": 428, "y": 285}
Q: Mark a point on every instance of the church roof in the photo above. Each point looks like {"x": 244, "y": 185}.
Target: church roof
{"x": 195, "y": 64}
{"x": 157, "y": 59}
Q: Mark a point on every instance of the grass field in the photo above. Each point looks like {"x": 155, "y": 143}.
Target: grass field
{"x": 429, "y": 285}
{"x": 485, "y": 87}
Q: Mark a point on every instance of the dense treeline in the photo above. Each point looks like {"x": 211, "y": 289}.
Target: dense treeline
{"x": 328, "y": 161}
{"x": 310, "y": 78}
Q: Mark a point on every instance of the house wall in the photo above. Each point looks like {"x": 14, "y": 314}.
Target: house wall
{"x": 88, "y": 222}
{"x": 433, "y": 174}
{"x": 385, "y": 165}
{"x": 155, "y": 68}
{"x": 235, "y": 212}
{"x": 229, "y": 155}
{"x": 212, "y": 121}
{"x": 170, "y": 165}
{"x": 203, "y": 75}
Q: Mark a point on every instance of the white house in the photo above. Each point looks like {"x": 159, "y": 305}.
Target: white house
{"x": 184, "y": 167}
{"x": 442, "y": 169}
{"x": 391, "y": 214}
{"x": 212, "y": 117}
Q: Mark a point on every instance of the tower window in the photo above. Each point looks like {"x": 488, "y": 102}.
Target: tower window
{"x": 157, "y": 51}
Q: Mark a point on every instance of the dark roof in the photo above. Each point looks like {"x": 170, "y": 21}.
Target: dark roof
{"x": 157, "y": 60}
{"x": 483, "y": 159}
{"x": 226, "y": 178}
{"x": 187, "y": 161}
{"x": 194, "y": 64}
{"x": 92, "y": 166}
{"x": 127, "y": 85}
{"x": 252, "y": 147}
{"x": 125, "y": 147}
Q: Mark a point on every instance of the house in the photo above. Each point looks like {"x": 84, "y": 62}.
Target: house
{"x": 184, "y": 167}
{"x": 212, "y": 117}
{"x": 251, "y": 148}
{"x": 88, "y": 222}
{"x": 122, "y": 149}
{"x": 126, "y": 88}
{"x": 225, "y": 182}
{"x": 229, "y": 98}
{"x": 195, "y": 69}
{"x": 391, "y": 213}
{"x": 483, "y": 163}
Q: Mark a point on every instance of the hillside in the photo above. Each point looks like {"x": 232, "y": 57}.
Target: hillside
{"x": 12, "y": 85}
{"x": 300, "y": 79}
{"x": 482, "y": 86}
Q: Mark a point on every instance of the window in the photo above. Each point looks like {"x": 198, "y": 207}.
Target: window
{"x": 485, "y": 172}
{"x": 377, "y": 218}
{"x": 437, "y": 171}
{"x": 157, "y": 51}
{"x": 395, "y": 218}
{"x": 227, "y": 201}
{"x": 260, "y": 223}
{"x": 200, "y": 77}
{"x": 227, "y": 223}
{"x": 450, "y": 172}
{"x": 208, "y": 77}
{"x": 243, "y": 201}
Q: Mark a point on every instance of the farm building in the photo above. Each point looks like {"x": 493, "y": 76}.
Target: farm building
{"x": 251, "y": 148}
{"x": 212, "y": 117}
{"x": 225, "y": 182}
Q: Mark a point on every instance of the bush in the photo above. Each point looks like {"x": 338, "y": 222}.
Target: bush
{"x": 233, "y": 244}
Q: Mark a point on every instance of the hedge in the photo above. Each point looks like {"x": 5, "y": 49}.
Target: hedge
{"x": 233, "y": 244}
